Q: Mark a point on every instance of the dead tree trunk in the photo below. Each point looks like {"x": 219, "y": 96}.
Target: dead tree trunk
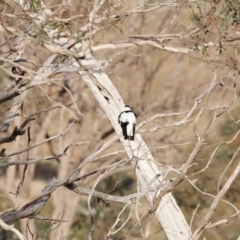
{"x": 168, "y": 213}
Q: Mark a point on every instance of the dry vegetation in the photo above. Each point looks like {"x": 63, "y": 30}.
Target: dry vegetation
{"x": 66, "y": 70}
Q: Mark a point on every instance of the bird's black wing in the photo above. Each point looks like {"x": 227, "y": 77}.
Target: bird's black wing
{"x": 132, "y": 137}
{"x": 124, "y": 129}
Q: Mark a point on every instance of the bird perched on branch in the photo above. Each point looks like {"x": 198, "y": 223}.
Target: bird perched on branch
{"x": 127, "y": 119}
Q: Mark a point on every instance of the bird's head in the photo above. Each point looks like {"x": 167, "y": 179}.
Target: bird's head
{"x": 127, "y": 108}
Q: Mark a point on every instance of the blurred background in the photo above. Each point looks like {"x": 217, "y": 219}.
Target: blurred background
{"x": 152, "y": 81}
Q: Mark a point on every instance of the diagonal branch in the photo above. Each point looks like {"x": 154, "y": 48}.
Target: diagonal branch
{"x": 11, "y": 228}
{"x": 16, "y": 132}
{"x": 169, "y": 215}
{"x": 207, "y": 218}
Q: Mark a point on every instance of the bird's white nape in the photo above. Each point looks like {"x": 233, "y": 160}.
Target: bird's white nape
{"x": 127, "y": 108}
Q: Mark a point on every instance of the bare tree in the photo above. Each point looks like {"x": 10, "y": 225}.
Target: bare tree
{"x": 66, "y": 67}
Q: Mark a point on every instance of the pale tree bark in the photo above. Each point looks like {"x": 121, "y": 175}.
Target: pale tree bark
{"x": 168, "y": 213}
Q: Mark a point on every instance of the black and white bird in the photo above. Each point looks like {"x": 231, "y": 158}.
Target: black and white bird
{"x": 127, "y": 119}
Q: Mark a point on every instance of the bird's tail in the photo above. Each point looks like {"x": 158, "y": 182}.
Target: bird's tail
{"x": 131, "y": 138}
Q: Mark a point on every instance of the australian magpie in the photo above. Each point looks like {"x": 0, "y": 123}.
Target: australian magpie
{"x": 127, "y": 120}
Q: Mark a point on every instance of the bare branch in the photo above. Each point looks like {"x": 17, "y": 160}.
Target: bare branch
{"x": 28, "y": 210}
{"x": 16, "y": 132}
{"x": 11, "y": 228}
{"x": 208, "y": 217}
